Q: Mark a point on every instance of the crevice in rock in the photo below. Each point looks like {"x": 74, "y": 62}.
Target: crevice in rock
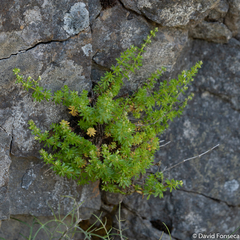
{"x": 99, "y": 71}
{"x": 93, "y": 20}
{"x": 136, "y": 213}
{"x": 149, "y": 21}
{"x": 39, "y": 43}
{"x": 128, "y": 9}
{"x": 10, "y": 147}
{"x": 158, "y": 224}
{"x": 94, "y": 62}
{"x": 236, "y": 41}
{"x": 5, "y": 130}
{"x": 214, "y": 199}
{"x": 132, "y": 211}
{"x": 98, "y": 15}
{"x": 30, "y": 48}
{"x": 108, "y": 3}
{"x": 100, "y": 67}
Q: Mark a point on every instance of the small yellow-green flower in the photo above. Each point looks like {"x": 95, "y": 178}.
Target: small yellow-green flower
{"x": 73, "y": 111}
{"x": 91, "y": 132}
{"x": 64, "y": 123}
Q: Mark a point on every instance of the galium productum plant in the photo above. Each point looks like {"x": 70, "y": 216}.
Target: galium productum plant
{"x": 113, "y": 138}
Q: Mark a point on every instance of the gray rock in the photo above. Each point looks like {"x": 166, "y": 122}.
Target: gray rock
{"x": 192, "y": 221}
{"x": 94, "y": 7}
{"x": 33, "y": 188}
{"x": 114, "y": 32}
{"x": 135, "y": 227}
{"x": 5, "y": 161}
{"x": 47, "y": 61}
{"x": 211, "y": 31}
{"x": 201, "y": 130}
{"x": 232, "y": 19}
{"x": 220, "y": 72}
{"x": 77, "y": 19}
{"x": 222, "y": 7}
{"x": 214, "y": 16}
{"x": 152, "y": 209}
{"x": 210, "y": 119}
{"x": 219, "y": 12}
{"x": 164, "y": 50}
{"x": 59, "y": 59}
{"x": 112, "y": 198}
{"x": 172, "y": 13}
{"x": 132, "y": 5}
{"x": 26, "y": 23}
{"x": 18, "y": 228}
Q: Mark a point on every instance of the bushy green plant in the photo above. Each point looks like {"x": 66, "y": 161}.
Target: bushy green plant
{"x": 115, "y": 137}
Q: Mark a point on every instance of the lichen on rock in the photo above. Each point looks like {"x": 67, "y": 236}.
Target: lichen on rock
{"x": 77, "y": 19}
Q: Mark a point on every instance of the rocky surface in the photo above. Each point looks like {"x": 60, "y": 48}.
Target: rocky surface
{"x": 212, "y": 31}
{"x": 172, "y": 13}
{"x": 26, "y": 23}
{"x": 116, "y": 29}
{"x": 74, "y": 43}
{"x": 41, "y": 50}
{"x": 36, "y": 181}
{"x": 232, "y": 19}
{"x": 5, "y": 162}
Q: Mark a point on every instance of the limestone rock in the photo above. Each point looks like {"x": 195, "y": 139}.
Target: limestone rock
{"x": 211, "y": 31}
{"x": 47, "y": 61}
{"x": 26, "y": 23}
{"x": 210, "y": 119}
{"x": 34, "y": 187}
{"x": 94, "y": 7}
{"x": 59, "y": 57}
{"x": 232, "y": 19}
{"x": 117, "y": 29}
{"x": 137, "y": 228}
{"x": 77, "y": 19}
{"x": 132, "y": 5}
{"x": 18, "y": 228}
{"x": 222, "y": 7}
{"x": 220, "y": 73}
{"x": 218, "y": 13}
{"x": 172, "y": 13}
{"x": 5, "y": 161}
{"x": 188, "y": 217}
{"x": 201, "y": 130}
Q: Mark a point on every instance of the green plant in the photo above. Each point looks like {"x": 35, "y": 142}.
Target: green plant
{"x": 115, "y": 137}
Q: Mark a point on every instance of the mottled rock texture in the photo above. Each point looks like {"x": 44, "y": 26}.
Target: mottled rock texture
{"x": 74, "y": 42}
{"x": 212, "y": 31}
{"x": 50, "y": 38}
{"x": 172, "y": 13}
{"x": 233, "y": 18}
{"x": 117, "y": 29}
